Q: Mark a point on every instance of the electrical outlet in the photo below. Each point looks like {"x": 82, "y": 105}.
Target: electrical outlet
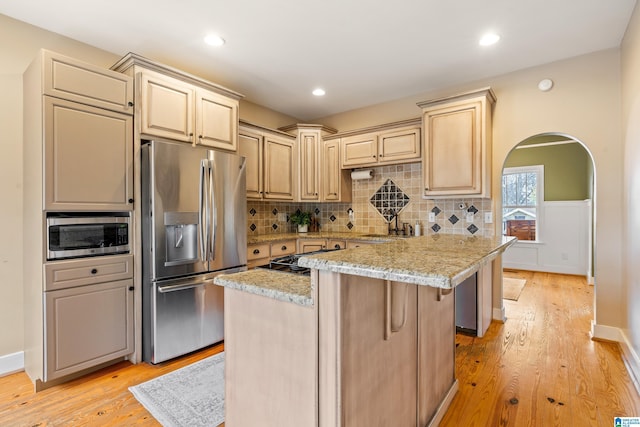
{"x": 470, "y": 216}
{"x": 488, "y": 217}
{"x": 432, "y": 217}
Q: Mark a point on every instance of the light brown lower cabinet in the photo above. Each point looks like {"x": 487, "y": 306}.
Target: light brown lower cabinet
{"x": 369, "y": 352}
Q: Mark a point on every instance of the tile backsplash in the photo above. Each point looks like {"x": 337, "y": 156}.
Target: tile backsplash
{"x": 405, "y": 181}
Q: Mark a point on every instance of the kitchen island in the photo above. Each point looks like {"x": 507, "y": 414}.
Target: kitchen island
{"x": 368, "y": 339}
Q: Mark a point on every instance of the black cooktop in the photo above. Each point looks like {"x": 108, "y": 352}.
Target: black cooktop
{"x": 289, "y": 263}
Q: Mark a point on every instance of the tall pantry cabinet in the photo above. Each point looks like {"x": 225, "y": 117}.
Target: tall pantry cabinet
{"x": 78, "y": 148}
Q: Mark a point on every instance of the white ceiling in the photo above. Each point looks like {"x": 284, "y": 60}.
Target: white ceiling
{"x": 362, "y": 52}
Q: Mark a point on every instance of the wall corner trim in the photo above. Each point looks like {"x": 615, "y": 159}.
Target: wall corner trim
{"x": 11, "y": 363}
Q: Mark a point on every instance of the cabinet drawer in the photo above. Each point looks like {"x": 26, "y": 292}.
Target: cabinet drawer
{"x": 257, "y": 251}
{"x": 80, "y": 272}
{"x": 337, "y": 244}
{"x": 283, "y": 248}
{"x": 77, "y": 81}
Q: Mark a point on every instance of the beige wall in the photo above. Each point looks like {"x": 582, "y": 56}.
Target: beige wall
{"x": 22, "y": 44}
{"x": 585, "y": 103}
{"x": 631, "y": 134}
{"x": 25, "y": 41}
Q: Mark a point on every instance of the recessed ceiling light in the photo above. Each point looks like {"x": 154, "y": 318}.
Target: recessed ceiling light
{"x": 214, "y": 40}
{"x": 318, "y": 92}
{"x": 489, "y": 39}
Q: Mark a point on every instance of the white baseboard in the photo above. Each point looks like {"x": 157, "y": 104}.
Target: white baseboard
{"x": 499, "y": 314}
{"x": 632, "y": 360}
{"x": 11, "y": 363}
{"x": 608, "y": 333}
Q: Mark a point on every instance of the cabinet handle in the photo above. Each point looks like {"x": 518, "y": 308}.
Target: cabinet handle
{"x": 94, "y": 271}
{"x": 443, "y": 292}
{"x": 256, "y": 251}
{"x": 283, "y": 248}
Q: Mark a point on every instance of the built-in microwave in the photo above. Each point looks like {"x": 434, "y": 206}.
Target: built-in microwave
{"x": 81, "y": 235}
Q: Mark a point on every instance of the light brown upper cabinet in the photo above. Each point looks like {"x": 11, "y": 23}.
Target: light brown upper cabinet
{"x": 457, "y": 145}
{"x": 270, "y": 155}
{"x": 381, "y": 147}
{"x": 319, "y": 175}
{"x": 88, "y": 157}
{"x": 336, "y": 183}
{"x": 173, "y": 109}
{"x": 79, "y": 126}
{"x": 177, "y": 105}
{"x": 73, "y": 80}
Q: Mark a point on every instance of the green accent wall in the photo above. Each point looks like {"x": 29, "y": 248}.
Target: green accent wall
{"x": 568, "y": 172}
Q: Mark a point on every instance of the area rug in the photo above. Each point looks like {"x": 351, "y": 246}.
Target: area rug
{"x": 511, "y": 288}
{"x": 190, "y": 396}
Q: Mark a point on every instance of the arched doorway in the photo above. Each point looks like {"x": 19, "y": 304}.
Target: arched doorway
{"x": 548, "y": 202}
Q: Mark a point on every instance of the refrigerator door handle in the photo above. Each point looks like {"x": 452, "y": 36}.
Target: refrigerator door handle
{"x": 181, "y": 287}
{"x": 214, "y": 213}
{"x": 203, "y": 212}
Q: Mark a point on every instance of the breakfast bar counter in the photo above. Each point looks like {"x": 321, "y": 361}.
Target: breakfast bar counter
{"x": 367, "y": 339}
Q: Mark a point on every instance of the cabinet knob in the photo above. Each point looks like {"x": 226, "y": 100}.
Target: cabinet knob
{"x": 131, "y": 288}
{"x": 337, "y": 246}
{"x": 374, "y": 156}
{"x": 94, "y": 271}
{"x": 200, "y": 136}
{"x": 130, "y": 200}
{"x": 283, "y": 248}
{"x": 130, "y": 104}
{"x": 256, "y": 251}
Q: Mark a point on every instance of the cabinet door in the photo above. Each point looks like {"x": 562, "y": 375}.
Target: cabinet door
{"x": 74, "y": 80}
{"x": 453, "y": 150}
{"x": 166, "y": 107}
{"x": 309, "y": 147}
{"x": 88, "y": 157}
{"x": 331, "y": 173}
{"x": 250, "y": 146}
{"x": 436, "y": 350}
{"x": 86, "y": 326}
{"x": 402, "y": 145}
{"x": 279, "y": 164}
{"x": 359, "y": 150}
{"x": 216, "y": 120}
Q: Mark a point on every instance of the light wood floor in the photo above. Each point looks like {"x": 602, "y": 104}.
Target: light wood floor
{"x": 538, "y": 369}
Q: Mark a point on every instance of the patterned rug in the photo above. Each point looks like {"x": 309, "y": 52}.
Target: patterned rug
{"x": 511, "y": 288}
{"x": 190, "y": 396}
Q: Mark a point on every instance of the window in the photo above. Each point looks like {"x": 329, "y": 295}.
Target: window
{"x": 522, "y": 196}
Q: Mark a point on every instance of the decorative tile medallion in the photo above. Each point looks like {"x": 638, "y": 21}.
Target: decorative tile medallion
{"x": 274, "y": 211}
{"x": 332, "y": 218}
{"x": 389, "y": 200}
{"x": 317, "y": 211}
{"x": 253, "y": 227}
{"x": 435, "y": 227}
{"x": 253, "y": 212}
{"x": 472, "y": 209}
{"x": 349, "y": 225}
{"x": 472, "y": 229}
{"x": 453, "y": 219}
{"x": 274, "y": 226}
{"x": 436, "y": 210}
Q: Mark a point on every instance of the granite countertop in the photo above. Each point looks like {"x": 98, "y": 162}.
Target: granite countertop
{"x": 438, "y": 260}
{"x": 287, "y": 287}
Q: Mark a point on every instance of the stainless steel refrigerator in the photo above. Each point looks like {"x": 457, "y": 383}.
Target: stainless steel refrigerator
{"x": 193, "y": 229}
